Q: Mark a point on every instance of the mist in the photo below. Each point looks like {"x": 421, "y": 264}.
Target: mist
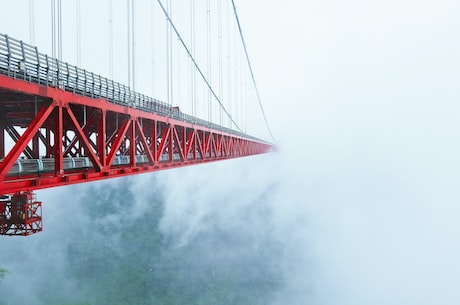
{"x": 166, "y": 238}
{"x": 335, "y": 224}
{"x": 358, "y": 205}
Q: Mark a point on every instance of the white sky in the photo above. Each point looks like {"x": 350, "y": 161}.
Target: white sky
{"x": 363, "y": 97}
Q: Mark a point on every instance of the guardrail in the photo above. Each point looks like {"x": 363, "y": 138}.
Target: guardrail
{"x": 23, "y": 61}
{"x": 43, "y": 165}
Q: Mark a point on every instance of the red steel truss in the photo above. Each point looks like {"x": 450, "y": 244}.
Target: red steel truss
{"x": 60, "y": 138}
{"x": 60, "y": 125}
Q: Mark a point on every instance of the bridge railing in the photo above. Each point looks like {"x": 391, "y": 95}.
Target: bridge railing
{"x": 22, "y": 61}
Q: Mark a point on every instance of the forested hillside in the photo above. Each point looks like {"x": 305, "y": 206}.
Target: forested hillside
{"x": 124, "y": 259}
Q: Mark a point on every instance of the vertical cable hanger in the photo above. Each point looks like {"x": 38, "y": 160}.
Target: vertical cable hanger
{"x": 168, "y": 66}
{"x": 59, "y": 8}
{"x": 128, "y": 44}
{"x": 192, "y": 66}
{"x": 170, "y": 49}
{"x": 236, "y": 86}
{"x": 219, "y": 37}
{"x": 246, "y": 102}
{"x": 110, "y": 38}
{"x": 208, "y": 53}
{"x": 178, "y": 74}
{"x": 31, "y": 22}
{"x": 229, "y": 65}
{"x": 32, "y": 36}
{"x": 133, "y": 46}
{"x": 78, "y": 36}
{"x": 250, "y": 69}
{"x": 56, "y": 29}
{"x": 242, "y": 99}
{"x": 198, "y": 70}
{"x": 78, "y": 29}
{"x": 53, "y": 28}
{"x": 152, "y": 46}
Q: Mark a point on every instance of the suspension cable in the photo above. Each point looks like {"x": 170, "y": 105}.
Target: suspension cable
{"x": 53, "y": 28}
{"x": 168, "y": 59}
{"x": 153, "y": 46}
{"x": 59, "y": 7}
{"x": 229, "y": 61}
{"x": 170, "y": 49}
{"x": 133, "y": 54}
{"x": 219, "y": 37}
{"x": 32, "y": 22}
{"x": 195, "y": 63}
{"x": 128, "y": 27}
{"x": 78, "y": 36}
{"x": 250, "y": 69}
{"x": 110, "y": 38}
{"x": 208, "y": 54}
{"x": 192, "y": 67}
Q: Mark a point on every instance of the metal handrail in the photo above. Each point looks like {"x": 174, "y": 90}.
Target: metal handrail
{"x": 22, "y": 61}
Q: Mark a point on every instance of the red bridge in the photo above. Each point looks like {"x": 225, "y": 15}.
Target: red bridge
{"x": 62, "y": 125}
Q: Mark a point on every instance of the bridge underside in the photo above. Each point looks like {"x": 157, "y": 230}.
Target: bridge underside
{"x": 51, "y": 137}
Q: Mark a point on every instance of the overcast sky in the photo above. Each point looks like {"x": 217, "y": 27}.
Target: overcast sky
{"x": 363, "y": 97}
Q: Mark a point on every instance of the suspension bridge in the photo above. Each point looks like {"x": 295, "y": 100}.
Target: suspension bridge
{"x": 61, "y": 124}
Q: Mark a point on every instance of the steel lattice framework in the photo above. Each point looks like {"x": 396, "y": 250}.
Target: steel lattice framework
{"x": 66, "y": 138}
{"x": 61, "y": 125}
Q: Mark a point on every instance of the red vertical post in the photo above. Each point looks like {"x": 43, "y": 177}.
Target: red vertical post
{"x": 170, "y": 144}
{"x": 207, "y": 141}
{"x": 184, "y": 142}
{"x": 154, "y": 146}
{"x": 202, "y": 135}
{"x": 101, "y": 139}
{"x": 132, "y": 143}
{"x": 190, "y": 141}
{"x": 193, "y": 146}
{"x": 218, "y": 145}
{"x": 2, "y": 141}
{"x": 48, "y": 141}
{"x": 58, "y": 134}
{"x": 35, "y": 146}
{"x": 231, "y": 146}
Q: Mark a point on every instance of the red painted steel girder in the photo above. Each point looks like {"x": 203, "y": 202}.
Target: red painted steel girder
{"x": 51, "y": 137}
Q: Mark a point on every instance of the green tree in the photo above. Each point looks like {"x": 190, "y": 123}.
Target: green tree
{"x": 3, "y": 273}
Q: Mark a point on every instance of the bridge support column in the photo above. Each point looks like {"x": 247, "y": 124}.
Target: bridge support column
{"x": 58, "y": 134}
{"x": 2, "y": 141}
{"x": 35, "y": 146}
{"x": 101, "y": 139}
{"x": 132, "y": 143}
{"x": 154, "y": 143}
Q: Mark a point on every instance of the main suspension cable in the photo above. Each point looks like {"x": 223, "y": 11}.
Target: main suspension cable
{"x": 196, "y": 65}
{"x": 250, "y": 69}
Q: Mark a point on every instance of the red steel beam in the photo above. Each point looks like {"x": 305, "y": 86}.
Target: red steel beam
{"x": 143, "y": 140}
{"x": 112, "y": 133}
{"x": 2, "y": 141}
